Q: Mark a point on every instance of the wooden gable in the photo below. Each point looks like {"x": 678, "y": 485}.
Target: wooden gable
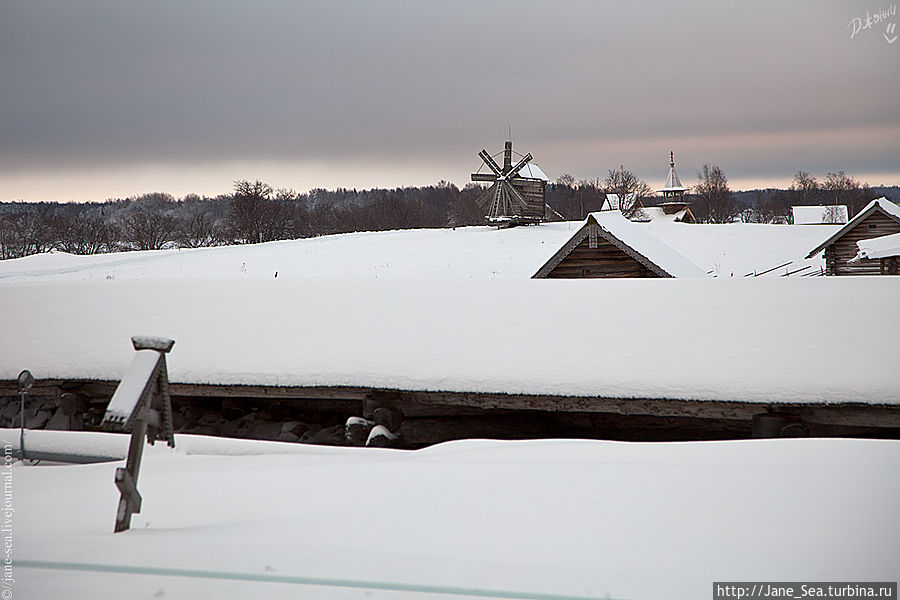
{"x": 841, "y": 248}
{"x": 595, "y": 253}
{"x": 604, "y": 259}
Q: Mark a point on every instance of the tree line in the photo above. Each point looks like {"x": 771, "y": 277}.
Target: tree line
{"x": 256, "y": 212}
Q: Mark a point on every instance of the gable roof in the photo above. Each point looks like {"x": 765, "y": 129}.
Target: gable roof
{"x": 882, "y": 205}
{"x": 614, "y": 202}
{"x": 656, "y": 213}
{"x": 532, "y": 171}
{"x": 815, "y": 215}
{"x": 631, "y": 238}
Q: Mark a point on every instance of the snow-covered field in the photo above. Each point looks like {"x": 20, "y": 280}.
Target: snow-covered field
{"x": 535, "y": 519}
{"x": 423, "y": 254}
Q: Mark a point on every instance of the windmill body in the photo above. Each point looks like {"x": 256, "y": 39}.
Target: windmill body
{"x": 517, "y": 192}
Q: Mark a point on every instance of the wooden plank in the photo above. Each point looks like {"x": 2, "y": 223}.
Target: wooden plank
{"x": 855, "y": 414}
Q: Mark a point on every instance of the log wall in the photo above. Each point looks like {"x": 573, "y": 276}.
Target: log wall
{"x": 839, "y": 253}
{"x": 606, "y": 260}
{"x": 533, "y": 192}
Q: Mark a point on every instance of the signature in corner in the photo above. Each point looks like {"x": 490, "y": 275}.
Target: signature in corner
{"x": 872, "y": 20}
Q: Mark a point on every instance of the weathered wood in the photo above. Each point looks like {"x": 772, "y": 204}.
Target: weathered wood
{"x": 851, "y": 414}
{"x": 605, "y": 260}
{"x": 839, "y": 254}
{"x": 193, "y": 390}
{"x": 126, "y": 479}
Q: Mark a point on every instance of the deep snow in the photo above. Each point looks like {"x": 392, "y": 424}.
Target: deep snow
{"x": 424, "y": 254}
{"x": 770, "y": 340}
{"x": 583, "y": 518}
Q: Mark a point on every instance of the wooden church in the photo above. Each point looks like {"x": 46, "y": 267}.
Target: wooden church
{"x": 517, "y": 192}
{"x": 674, "y": 203}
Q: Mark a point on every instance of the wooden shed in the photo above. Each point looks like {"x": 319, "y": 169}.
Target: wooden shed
{"x": 609, "y": 245}
{"x": 879, "y": 218}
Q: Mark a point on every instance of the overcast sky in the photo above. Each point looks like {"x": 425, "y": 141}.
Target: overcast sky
{"x": 111, "y": 99}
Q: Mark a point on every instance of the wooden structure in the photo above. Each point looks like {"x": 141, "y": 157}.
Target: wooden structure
{"x": 820, "y": 215}
{"x": 673, "y": 195}
{"x": 421, "y": 418}
{"x": 142, "y": 405}
{"x": 601, "y": 248}
{"x": 517, "y": 192}
{"x": 879, "y": 218}
{"x": 885, "y": 249}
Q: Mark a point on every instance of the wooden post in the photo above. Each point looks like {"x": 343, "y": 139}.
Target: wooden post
{"x": 146, "y": 413}
{"x": 126, "y": 479}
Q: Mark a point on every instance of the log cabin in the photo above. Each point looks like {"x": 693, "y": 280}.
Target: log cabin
{"x": 879, "y": 218}
{"x": 609, "y": 245}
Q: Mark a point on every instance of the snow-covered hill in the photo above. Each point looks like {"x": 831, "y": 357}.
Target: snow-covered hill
{"x": 422, "y": 254}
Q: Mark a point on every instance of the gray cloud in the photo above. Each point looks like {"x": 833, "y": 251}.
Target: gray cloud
{"x": 93, "y": 84}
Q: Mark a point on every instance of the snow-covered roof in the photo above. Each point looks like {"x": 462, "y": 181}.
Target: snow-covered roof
{"x": 673, "y": 182}
{"x": 532, "y": 171}
{"x": 613, "y": 202}
{"x": 880, "y": 247}
{"x": 883, "y": 205}
{"x": 656, "y": 213}
{"x": 816, "y": 215}
{"x": 633, "y": 239}
{"x": 733, "y": 340}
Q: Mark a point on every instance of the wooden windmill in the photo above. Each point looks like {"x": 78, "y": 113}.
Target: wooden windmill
{"x": 516, "y": 195}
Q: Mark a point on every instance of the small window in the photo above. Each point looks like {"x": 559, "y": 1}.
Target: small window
{"x": 585, "y": 272}
{"x": 872, "y": 225}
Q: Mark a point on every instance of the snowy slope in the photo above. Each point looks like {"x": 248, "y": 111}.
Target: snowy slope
{"x": 463, "y": 253}
{"x": 422, "y": 254}
{"x": 738, "y": 249}
{"x": 577, "y": 518}
{"x": 702, "y": 339}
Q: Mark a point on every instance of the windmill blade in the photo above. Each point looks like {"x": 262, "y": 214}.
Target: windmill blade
{"x": 515, "y": 170}
{"x": 484, "y": 177}
{"x": 485, "y": 200}
{"x": 515, "y": 195}
{"x": 490, "y": 162}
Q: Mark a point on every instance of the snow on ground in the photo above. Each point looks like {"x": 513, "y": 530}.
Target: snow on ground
{"x": 422, "y": 254}
{"x": 765, "y": 340}
{"x": 739, "y": 249}
{"x": 557, "y": 517}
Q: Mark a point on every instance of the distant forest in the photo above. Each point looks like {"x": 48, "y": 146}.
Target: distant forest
{"x": 255, "y": 212}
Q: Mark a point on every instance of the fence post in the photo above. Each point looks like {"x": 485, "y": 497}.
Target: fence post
{"x": 141, "y": 404}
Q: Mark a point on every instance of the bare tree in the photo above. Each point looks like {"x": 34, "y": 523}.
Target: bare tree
{"x": 805, "y": 189}
{"x": 715, "y": 203}
{"x": 27, "y": 231}
{"x": 84, "y": 233}
{"x": 630, "y": 189}
{"x": 565, "y": 180}
{"x": 148, "y": 228}
{"x": 247, "y": 217}
{"x": 840, "y": 188}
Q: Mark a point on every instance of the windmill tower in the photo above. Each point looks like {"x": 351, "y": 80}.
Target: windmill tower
{"x": 517, "y": 192}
